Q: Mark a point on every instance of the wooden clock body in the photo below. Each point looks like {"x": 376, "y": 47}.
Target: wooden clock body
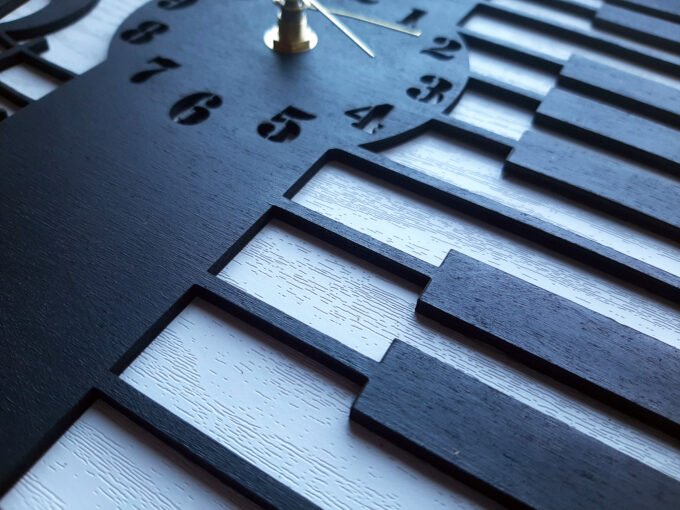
{"x": 128, "y": 193}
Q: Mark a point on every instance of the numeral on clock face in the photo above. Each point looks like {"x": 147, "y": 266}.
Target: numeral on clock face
{"x": 433, "y": 93}
{"x": 195, "y": 109}
{"x": 446, "y": 48}
{"x": 144, "y": 33}
{"x": 411, "y": 19}
{"x": 162, "y": 64}
{"x": 369, "y": 118}
{"x": 283, "y": 126}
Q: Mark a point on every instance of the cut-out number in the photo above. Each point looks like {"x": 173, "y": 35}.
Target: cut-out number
{"x": 434, "y": 93}
{"x": 369, "y": 118}
{"x": 195, "y": 108}
{"x": 288, "y": 130}
{"x": 171, "y": 5}
{"x": 144, "y": 33}
{"x": 446, "y": 48}
{"x": 411, "y": 19}
{"x": 162, "y": 64}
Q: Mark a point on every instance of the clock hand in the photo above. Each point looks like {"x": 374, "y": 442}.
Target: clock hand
{"x": 375, "y": 21}
{"x": 341, "y": 26}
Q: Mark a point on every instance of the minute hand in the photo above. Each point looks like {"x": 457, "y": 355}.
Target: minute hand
{"x": 341, "y": 26}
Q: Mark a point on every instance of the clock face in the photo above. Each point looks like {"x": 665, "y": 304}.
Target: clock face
{"x": 443, "y": 275}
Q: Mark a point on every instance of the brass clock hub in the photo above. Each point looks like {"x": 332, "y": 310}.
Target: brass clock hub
{"x": 292, "y": 33}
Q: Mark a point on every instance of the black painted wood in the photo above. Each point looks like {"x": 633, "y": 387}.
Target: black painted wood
{"x": 135, "y": 192}
{"x": 638, "y": 25}
{"x": 124, "y": 192}
{"x": 664, "y": 9}
{"x": 654, "y": 100}
{"x": 492, "y": 441}
{"x": 599, "y": 180}
{"x": 612, "y": 362}
{"x": 55, "y": 15}
{"x": 611, "y": 127}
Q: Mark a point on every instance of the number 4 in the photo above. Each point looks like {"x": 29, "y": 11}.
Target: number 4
{"x": 369, "y": 118}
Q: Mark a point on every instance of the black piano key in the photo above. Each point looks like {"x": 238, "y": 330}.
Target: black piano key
{"x": 599, "y": 356}
{"x": 606, "y": 182}
{"x": 631, "y": 91}
{"x": 613, "y": 127}
{"x": 638, "y": 25}
{"x": 492, "y": 441}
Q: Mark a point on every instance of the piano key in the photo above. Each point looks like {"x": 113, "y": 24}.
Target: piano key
{"x": 487, "y": 435}
{"x": 613, "y": 185}
{"x": 285, "y": 414}
{"x": 630, "y": 90}
{"x": 643, "y": 26}
{"x": 104, "y": 460}
{"x": 366, "y": 308}
{"x": 584, "y": 117}
{"x": 570, "y": 343}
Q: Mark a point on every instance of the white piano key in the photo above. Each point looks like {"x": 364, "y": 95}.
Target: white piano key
{"x": 505, "y": 69}
{"x": 28, "y": 80}
{"x": 366, "y": 308}
{"x": 428, "y": 231}
{"x": 105, "y": 461}
{"x": 493, "y": 113}
{"x": 480, "y": 172}
{"x": 557, "y": 46}
{"x": 285, "y": 414}
{"x": 84, "y": 44}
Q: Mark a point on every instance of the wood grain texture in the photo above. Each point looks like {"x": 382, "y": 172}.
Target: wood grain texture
{"x": 122, "y": 234}
{"x": 605, "y": 182}
{"x": 105, "y": 461}
{"x": 555, "y": 43}
{"x": 492, "y": 62}
{"x": 496, "y": 114}
{"x": 516, "y": 450}
{"x": 570, "y": 343}
{"x": 612, "y": 127}
{"x": 367, "y": 308}
{"x": 624, "y": 89}
{"x": 481, "y": 172}
{"x": 428, "y": 231}
{"x": 285, "y": 414}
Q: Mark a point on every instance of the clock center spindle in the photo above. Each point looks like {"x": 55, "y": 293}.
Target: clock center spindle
{"x": 292, "y": 33}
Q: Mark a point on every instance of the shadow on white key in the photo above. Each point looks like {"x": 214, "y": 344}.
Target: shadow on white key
{"x": 105, "y": 461}
{"x": 366, "y": 308}
{"x": 284, "y": 413}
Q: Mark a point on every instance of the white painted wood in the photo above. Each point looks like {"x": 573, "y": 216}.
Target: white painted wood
{"x": 29, "y": 81}
{"x": 541, "y": 10}
{"x": 552, "y": 44}
{"x": 536, "y": 9}
{"x": 428, "y": 231}
{"x": 84, "y": 44}
{"x": 26, "y": 9}
{"x": 493, "y": 113}
{"x": 285, "y": 414}
{"x": 475, "y": 170}
{"x": 104, "y": 461}
{"x": 365, "y": 308}
{"x": 490, "y": 64}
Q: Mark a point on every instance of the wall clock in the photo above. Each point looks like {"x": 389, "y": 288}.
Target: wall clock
{"x": 434, "y": 263}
